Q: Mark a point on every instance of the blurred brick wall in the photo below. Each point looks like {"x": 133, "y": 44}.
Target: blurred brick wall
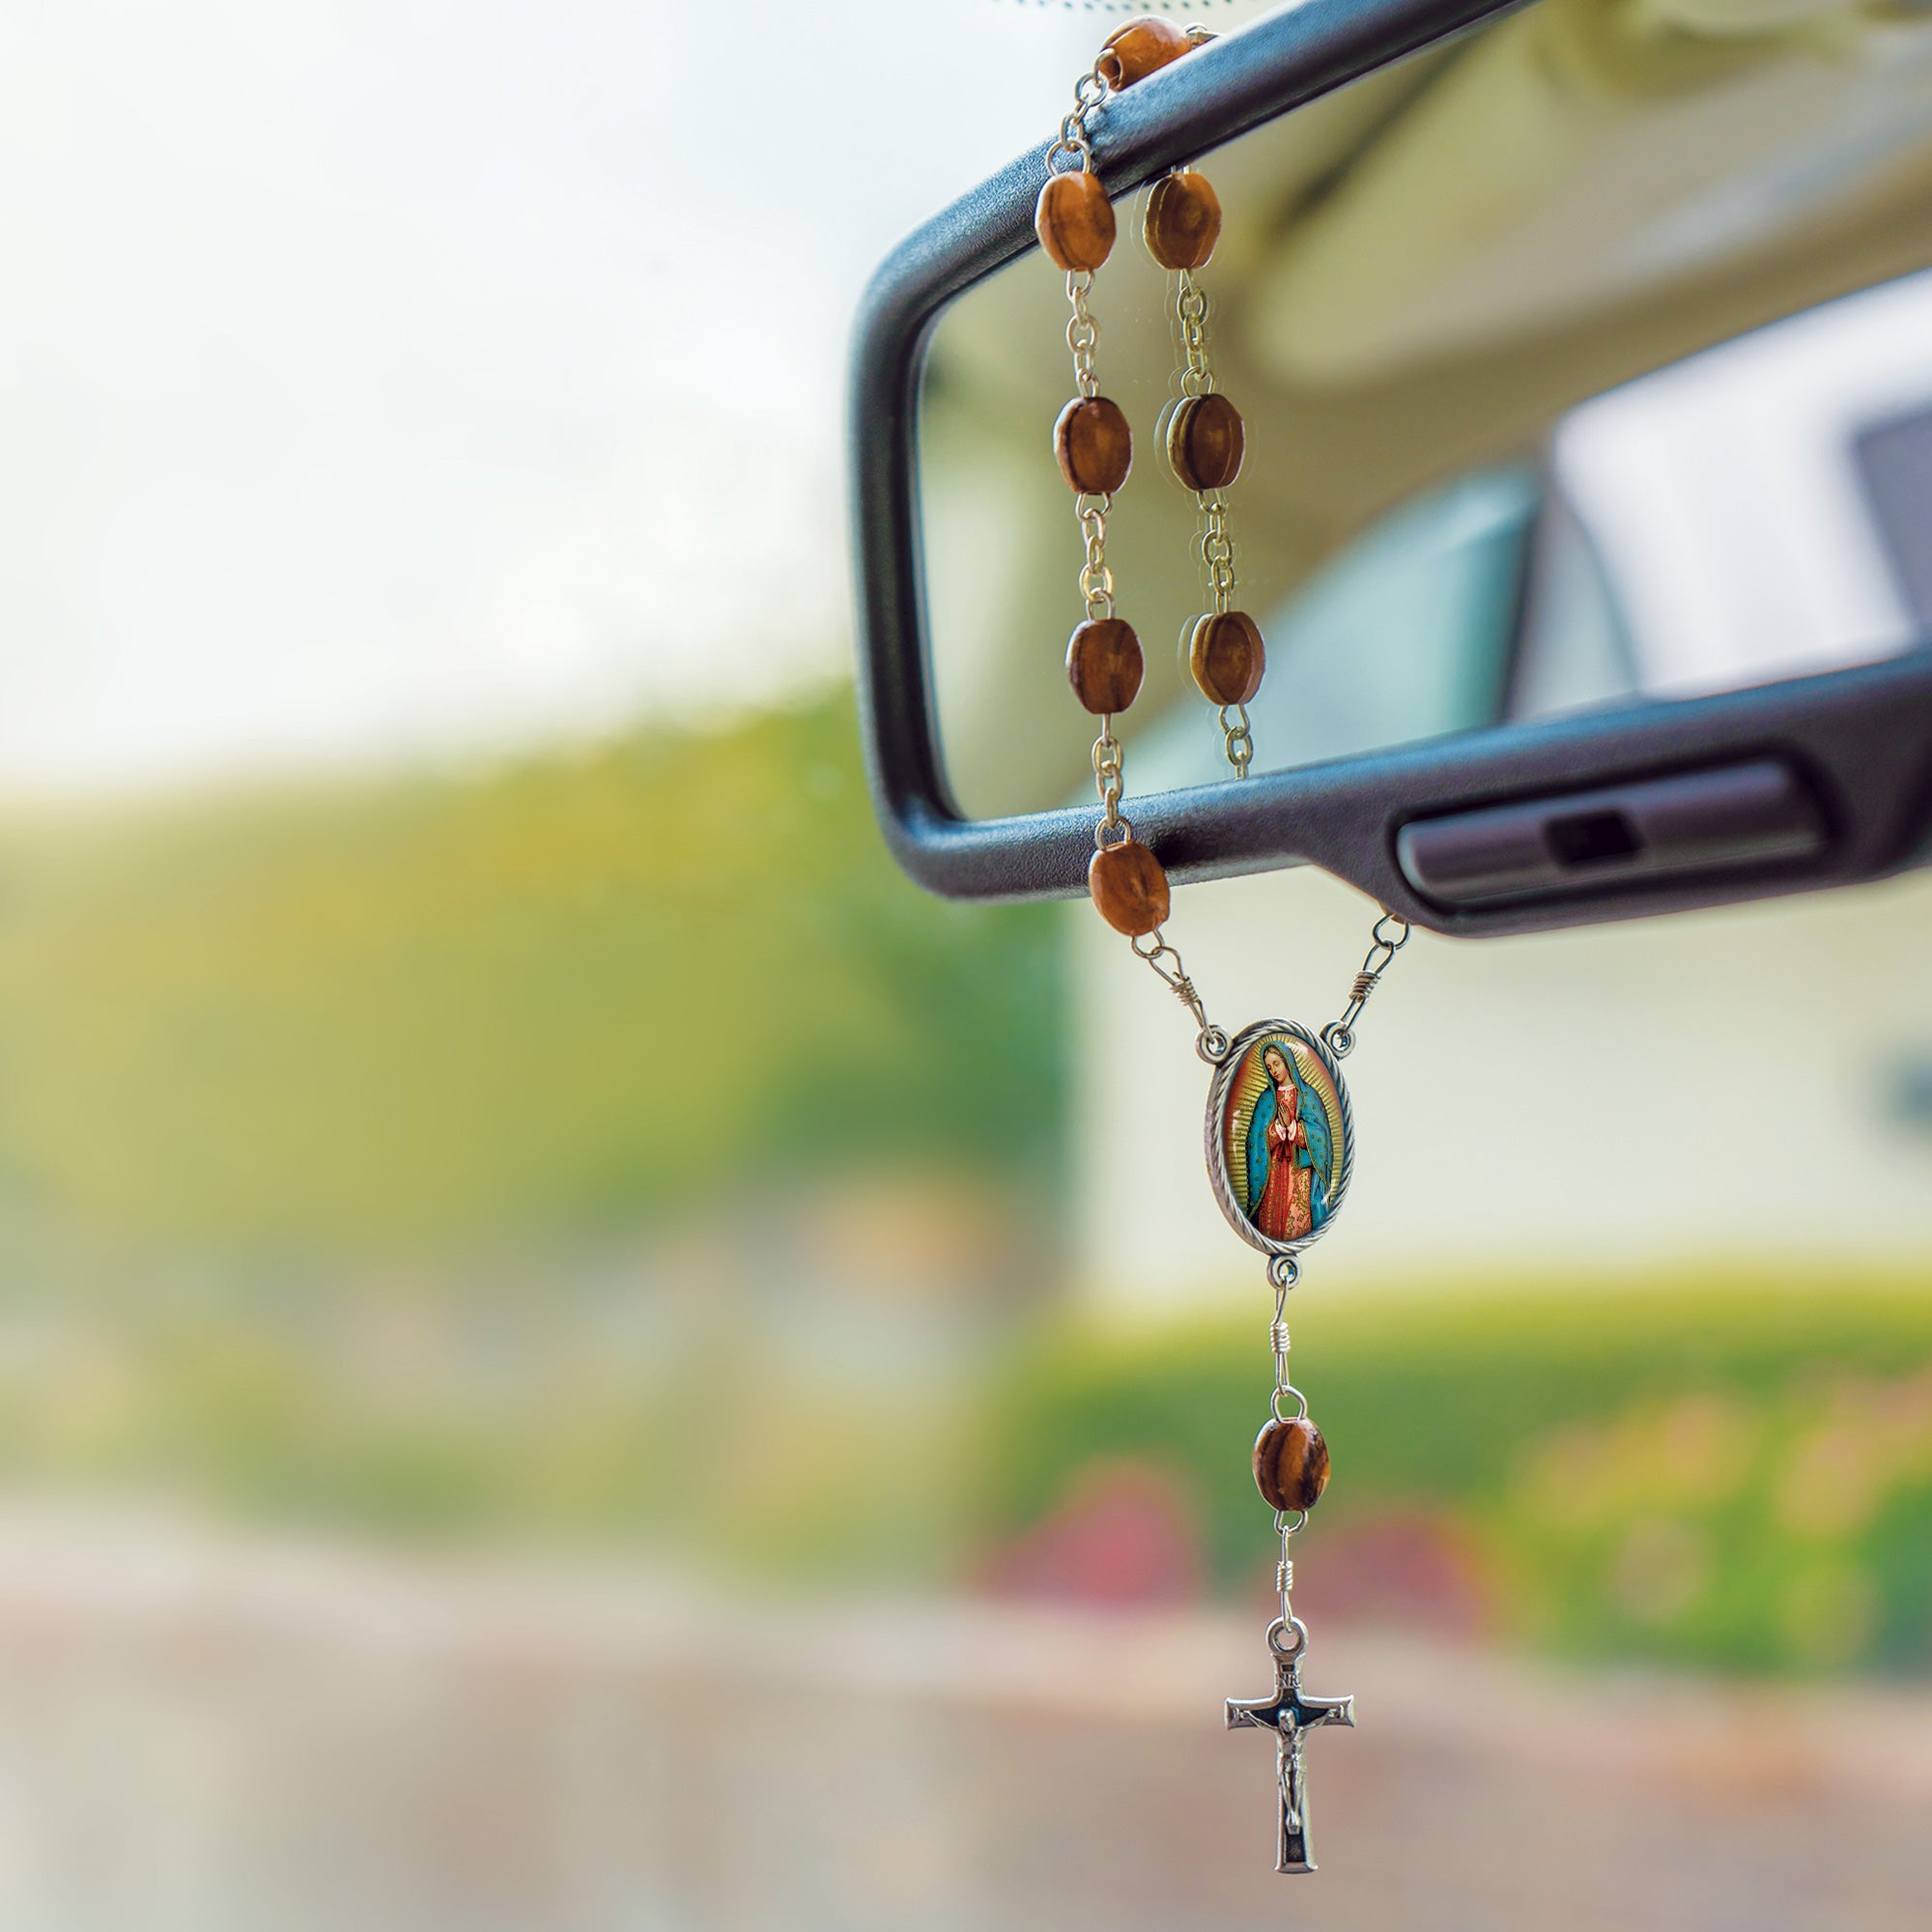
{"x": 212, "y": 1734}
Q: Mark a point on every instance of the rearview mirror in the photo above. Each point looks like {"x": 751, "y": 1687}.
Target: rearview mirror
{"x": 1586, "y": 359}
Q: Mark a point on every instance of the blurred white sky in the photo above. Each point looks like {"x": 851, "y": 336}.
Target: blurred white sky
{"x": 387, "y": 379}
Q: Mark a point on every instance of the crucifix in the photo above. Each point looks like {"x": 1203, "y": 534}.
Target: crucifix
{"x": 1289, "y": 1714}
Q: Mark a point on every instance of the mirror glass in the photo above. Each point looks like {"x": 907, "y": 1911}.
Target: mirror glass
{"x": 1584, "y": 361}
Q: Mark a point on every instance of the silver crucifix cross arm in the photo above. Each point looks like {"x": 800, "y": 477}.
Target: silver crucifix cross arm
{"x": 1289, "y": 1714}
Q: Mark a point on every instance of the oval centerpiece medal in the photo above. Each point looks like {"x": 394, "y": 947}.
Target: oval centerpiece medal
{"x": 1280, "y": 1139}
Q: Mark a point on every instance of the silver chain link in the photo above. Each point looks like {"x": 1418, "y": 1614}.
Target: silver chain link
{"x": 1238, "y": 740}
{"x": 1284, "y": 1272}
{"x": 1216, "y": 548}
{"x": 1108, "y": 761}
{"x": 1096, "y": 579}
{"x": 1090, "y": 96}
{"x": 1190, "y": 311}
{"x": 1083, "y": 332}
{"x": 1210, "y": 1042}
{"x": 1339, "y": 1035}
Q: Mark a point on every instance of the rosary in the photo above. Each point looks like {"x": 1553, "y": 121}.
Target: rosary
{"x": 1279, "y": 1136}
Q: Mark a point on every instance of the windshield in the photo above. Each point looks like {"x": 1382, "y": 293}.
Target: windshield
{"x": 575, "y": 1352}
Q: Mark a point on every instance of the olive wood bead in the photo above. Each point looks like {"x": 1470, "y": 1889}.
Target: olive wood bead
{"x": 1291, "y": 1463}
{"x": 1129, "y": 888}
{"x": 1103, "y": 663}
{"x": 1075, "y": 220}
{"x": 1227, "y": 657}
{"x": 1144, "y": 45}
{"x": 1095, "y": 445}
{"x": 1183, "y": 220}
{"x": 1206, "y": 442}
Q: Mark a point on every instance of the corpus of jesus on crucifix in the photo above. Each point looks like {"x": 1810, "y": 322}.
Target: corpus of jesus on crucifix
{"x": 1288, "y": 1715}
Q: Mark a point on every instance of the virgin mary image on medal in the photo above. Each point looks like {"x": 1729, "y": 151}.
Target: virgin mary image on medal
{"x": 1279, "y": 1136}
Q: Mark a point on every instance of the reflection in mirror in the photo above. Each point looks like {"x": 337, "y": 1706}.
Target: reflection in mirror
{"x": 1584, "y": 361}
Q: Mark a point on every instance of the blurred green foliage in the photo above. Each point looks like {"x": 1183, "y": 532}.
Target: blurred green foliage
{"x": 264, "y": 1417}
{"x": 333, "y": 1131}
{"x": 569, "y": 993}
{"x": 1695, "y": 1470}
{"x": 560, "y": 1409}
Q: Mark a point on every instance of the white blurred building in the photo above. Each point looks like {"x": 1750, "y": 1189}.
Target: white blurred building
{"x": 1750, "y": 1084}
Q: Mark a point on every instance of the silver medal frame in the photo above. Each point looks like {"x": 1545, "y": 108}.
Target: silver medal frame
{"x": 1215, "y": 1138}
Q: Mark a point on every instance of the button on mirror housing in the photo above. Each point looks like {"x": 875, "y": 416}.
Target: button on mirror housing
{"x": 1738, "y": 817}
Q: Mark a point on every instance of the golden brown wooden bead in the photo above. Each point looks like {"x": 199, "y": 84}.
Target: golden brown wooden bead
{"x": 1291, "y": 1463}
{"x": 1183, "y": 220}
{"x": 1095, "y": 445}
{"x": 1103, "y": 663}
{"x": 1129, "y": 888}
{"x": 1206, "y": 442}
{"x": 1227, "y": 657}
{"x": 1075, "y": 220}
{"x": 1144, "y": 45}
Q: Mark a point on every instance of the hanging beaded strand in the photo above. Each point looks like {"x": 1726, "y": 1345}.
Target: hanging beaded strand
{"x": 1094, "y": 448}
{"x": 1205, "y": 443}
{"x": 1094, "y": 445}
{"x": 1290, "y": 1459}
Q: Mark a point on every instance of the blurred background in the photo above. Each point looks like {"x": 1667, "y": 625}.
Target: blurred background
{"x": 575, "y": 1352}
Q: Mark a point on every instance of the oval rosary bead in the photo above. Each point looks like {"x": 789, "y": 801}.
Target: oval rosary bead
{"x": 1129, "y": 888}
{"x": 1205, "y": 443}
{"x": 1183, "y": 220}
{"x": 1144, "y": 45}
{"x": 1103, "y": 664}
{"x": 1095, "y": 445}
{"x": 1075, "y": 220}
{"x": 1291, "y": 1464}
{"x": 1225, "y": 654}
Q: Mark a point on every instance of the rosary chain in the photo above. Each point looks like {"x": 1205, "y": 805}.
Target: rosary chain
{"x": 1212, "y": 1041}
{"x": 1388, "y": 936}
{"x": 1096, "y": 579}
{"x": 1190, "y": 308}
{"x": 1213, "y": 543}
{"x": 1108, "y": 764}
{"x": 1339, "y": 1035}
{"x": 1284, "y": 1272}
{"x": 1089, "y": 96}
{"x": 1237, "y": 738}
{"x": 1083, "y": 332}
{"x": 1217, "y": 549}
